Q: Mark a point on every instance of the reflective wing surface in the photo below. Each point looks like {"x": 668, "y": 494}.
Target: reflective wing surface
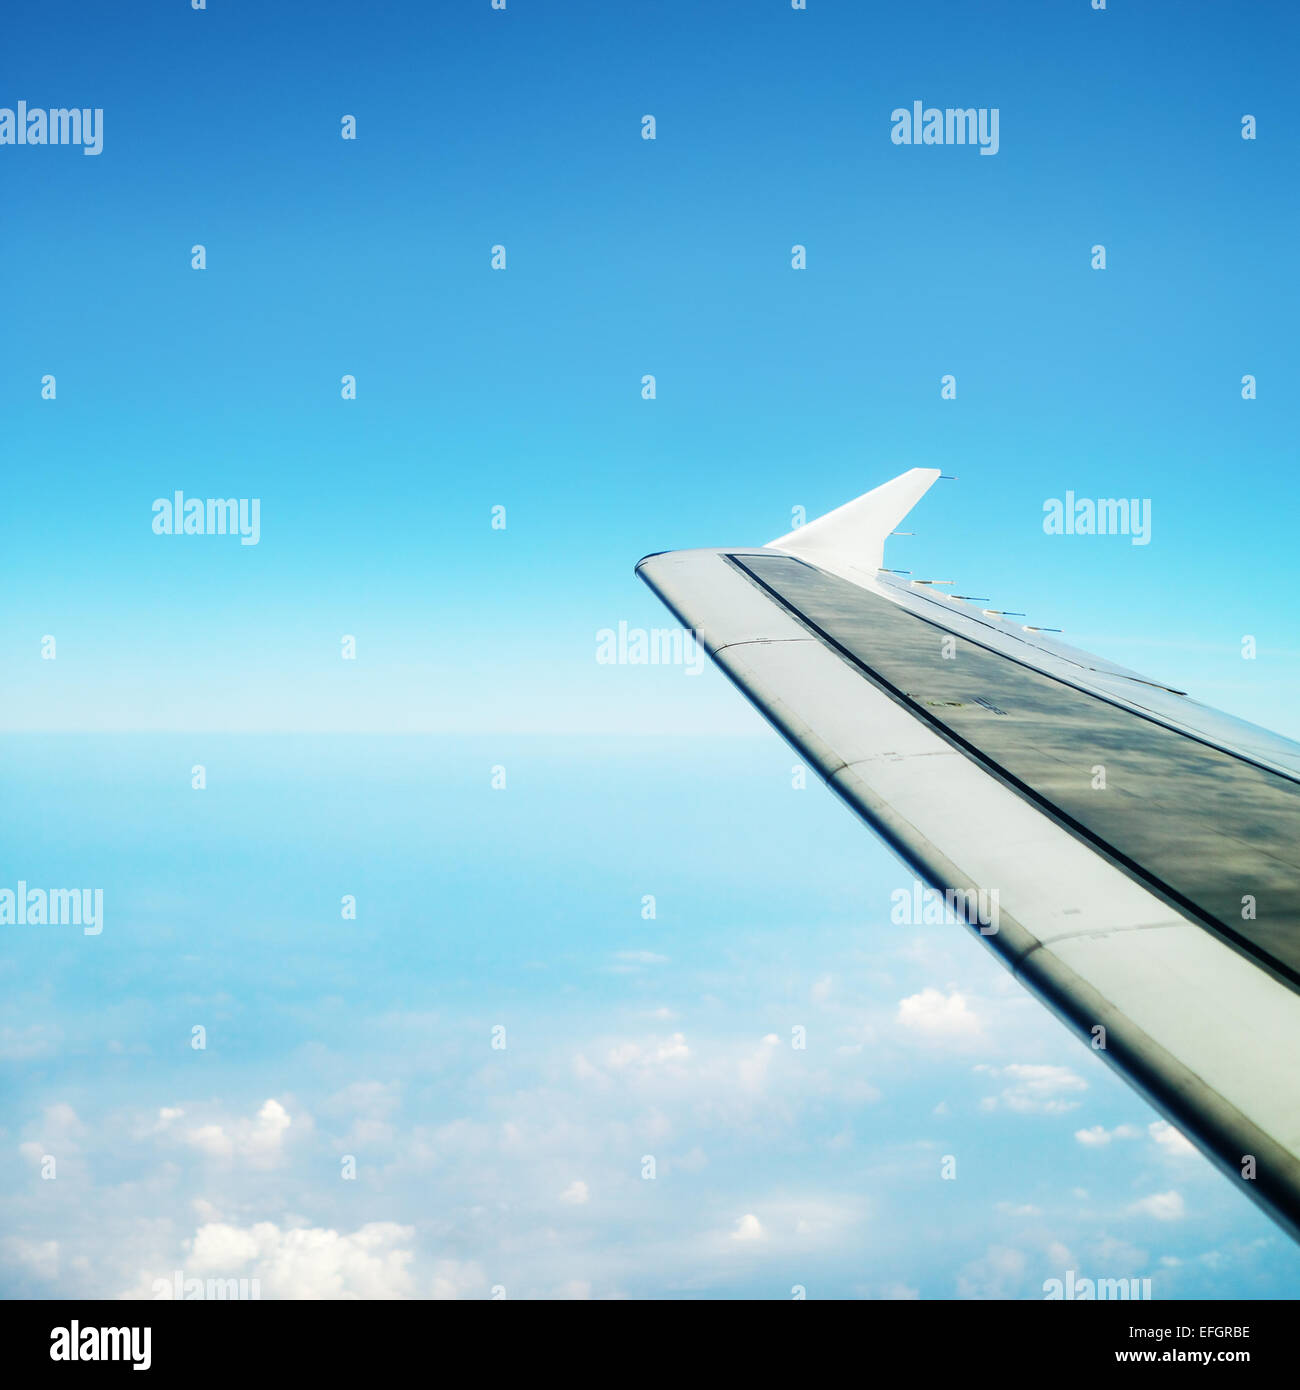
{"x": 1156, "y": 910}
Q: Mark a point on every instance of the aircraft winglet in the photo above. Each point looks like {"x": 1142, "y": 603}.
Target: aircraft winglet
{"x": 850, "y": 541}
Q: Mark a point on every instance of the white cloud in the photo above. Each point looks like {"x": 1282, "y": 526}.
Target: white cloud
{"x": 1034, "y": 1089}
{"x": 308, "y": 1262}
{"x": 1172, "y": 1141}
{"x": 998, "y": 1274}
{"x": 752, "y": 1070}
{"x": 798, "y": 1226}
{"x": 1117, "y": 1254}
{"x": 218, "y": 1248}
{"x": 451, "y": 1279}
{"x": 748, "y": 1228}
{"x": 212, "y": 1140}
{"x": 1099, "y": 1135}
{"x": 260, "y": 1140}
{"x": 57, "y": 1136}
{"x": 58, "y": 1131}
{"x": 579, "y": 1289}
{"x": 1164, "y": 1206}
{"x": 1059, "y": 1256}
{"x": 575, "y": 1194}
{"x": 370, "y": 1105}
{"x": 365, "y": 1098}
{"x": 817, "y": 1219}
{"x": 36, "y": 1040}
{"x": 647, "y": 1054}
{"x": 62, "y": 1119}
{"x": 940, "y": 1017}
{"x": 38, "y": 1257}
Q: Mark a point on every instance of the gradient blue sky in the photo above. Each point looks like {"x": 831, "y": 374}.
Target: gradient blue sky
{"x": 521, "y": 388}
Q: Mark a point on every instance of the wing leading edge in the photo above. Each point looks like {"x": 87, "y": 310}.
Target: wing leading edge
{"x": 969, "y": 744}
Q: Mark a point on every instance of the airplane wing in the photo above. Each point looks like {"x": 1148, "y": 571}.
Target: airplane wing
{"x": 1141, "y": 851}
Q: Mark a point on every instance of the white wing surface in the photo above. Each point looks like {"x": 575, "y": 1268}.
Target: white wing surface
{"x": 1158, "y": 915}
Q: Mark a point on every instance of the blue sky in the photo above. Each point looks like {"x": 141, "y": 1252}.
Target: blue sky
{"x": 522, "y": 388}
